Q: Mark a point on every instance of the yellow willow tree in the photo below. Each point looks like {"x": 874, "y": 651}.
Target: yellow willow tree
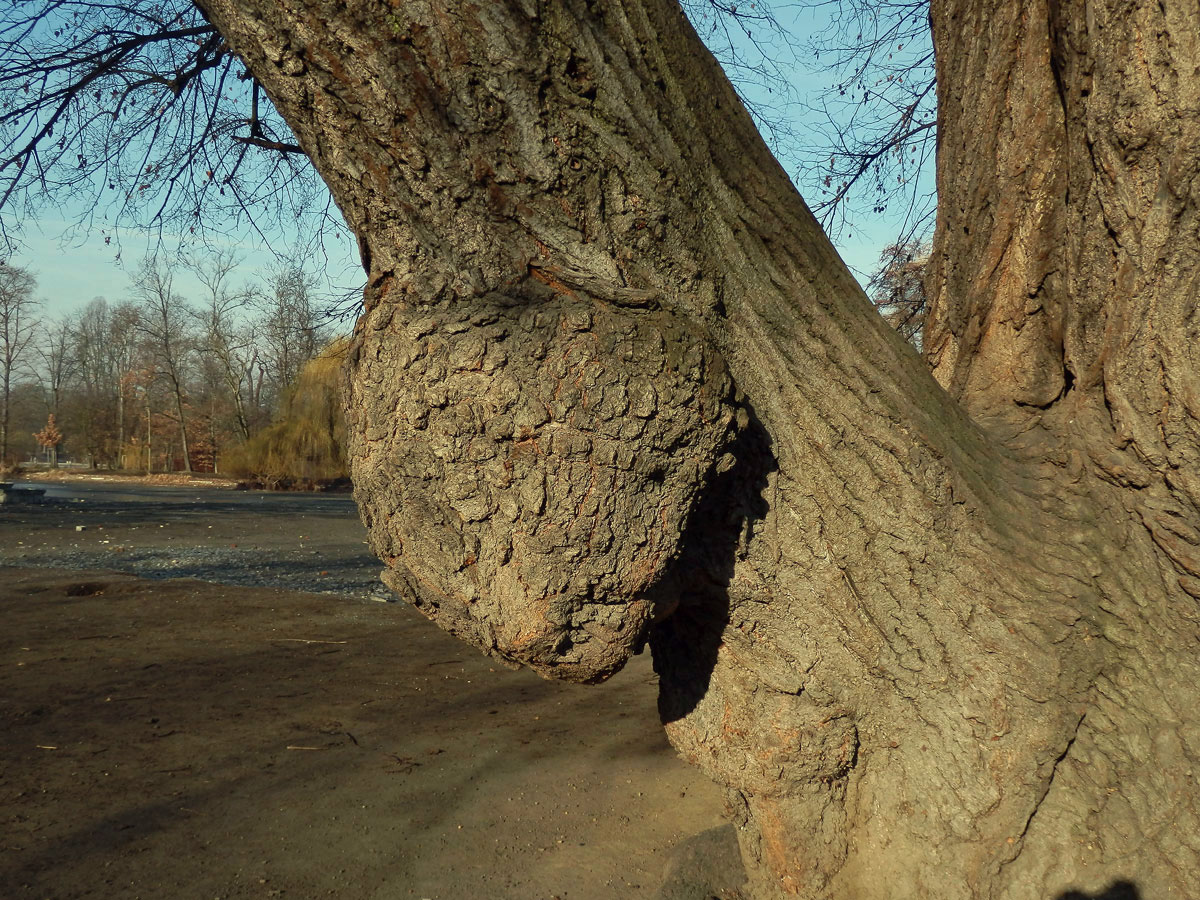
{"x": 49, "y": 438}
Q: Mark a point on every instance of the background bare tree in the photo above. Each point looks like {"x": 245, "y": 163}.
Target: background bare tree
{"x": 137, "y": 108}
{"x": 18, "y": 329}
{"x": 167, "y": 324}
{"x": 130, "y": 382}
{"x": 876, "y": 122}
{"x": 861, "y": 144}
{"x": 106, "y": 360}
{"x": 290, "y": 326}
{"x": 57, "y": 359}
{"x": 226, "y": 336}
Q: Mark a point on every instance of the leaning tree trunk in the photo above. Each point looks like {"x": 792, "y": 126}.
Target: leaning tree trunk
{"x": 612, "y": 381}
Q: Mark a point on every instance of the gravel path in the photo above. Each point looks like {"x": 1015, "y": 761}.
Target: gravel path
{"x": 305, "y": 542}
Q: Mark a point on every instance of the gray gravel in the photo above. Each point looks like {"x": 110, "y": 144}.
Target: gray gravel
{"x": 303, "y": 542}
{"x": 310, "y": 571}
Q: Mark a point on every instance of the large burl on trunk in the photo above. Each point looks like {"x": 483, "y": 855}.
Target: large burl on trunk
{"x": 613, "y": 384}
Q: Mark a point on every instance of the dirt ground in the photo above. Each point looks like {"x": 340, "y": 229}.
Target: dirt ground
{"x": 182, "y": 739}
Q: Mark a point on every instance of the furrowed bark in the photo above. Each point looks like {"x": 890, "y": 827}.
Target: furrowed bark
{"x": 1064, "y": 303}
{"x": 1066, "y": 270}
{"x": 613, "y": 382}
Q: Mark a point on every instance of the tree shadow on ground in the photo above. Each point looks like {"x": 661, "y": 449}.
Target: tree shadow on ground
{"x": 1118, "y": 890}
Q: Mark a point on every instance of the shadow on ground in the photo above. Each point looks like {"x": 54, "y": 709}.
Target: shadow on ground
{"x": 185, "y": 739}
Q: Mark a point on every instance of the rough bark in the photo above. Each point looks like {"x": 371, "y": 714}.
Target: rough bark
{"x": 612, "y": 382}
{"x": 1065, "y": 304}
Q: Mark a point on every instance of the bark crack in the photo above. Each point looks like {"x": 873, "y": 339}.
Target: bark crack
{"x": 1019, "y": 839}
{"x": 1054, "y": 37}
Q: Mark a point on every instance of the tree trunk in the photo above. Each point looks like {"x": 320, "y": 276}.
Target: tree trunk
{"x": 233, "y": 381}
{"x": 5, "y": 413}
{"x": 1064, "y": 304}
{"x": 179, "y": 411}
{"x": 149, "y": 439}
{"x": 121, "y": 422}
{"x": 612, "y": 381}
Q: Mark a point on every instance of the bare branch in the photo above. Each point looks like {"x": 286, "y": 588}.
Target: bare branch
{"x": 126, "y": 109}
{"x": 879, "y": 117}
{"x": 270, "y": 145}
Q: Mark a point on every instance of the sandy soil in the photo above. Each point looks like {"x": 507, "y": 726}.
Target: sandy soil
{"x": 85, "y": 476}
{"x": 181, "y": 739}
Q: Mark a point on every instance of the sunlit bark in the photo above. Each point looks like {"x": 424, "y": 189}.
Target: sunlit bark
{"x": 613, "y": 382}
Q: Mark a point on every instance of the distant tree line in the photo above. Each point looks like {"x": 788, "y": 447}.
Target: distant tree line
{"x": 158, "y": 381}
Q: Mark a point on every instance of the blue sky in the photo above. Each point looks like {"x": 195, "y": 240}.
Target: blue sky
{"x": 73, "y": 266}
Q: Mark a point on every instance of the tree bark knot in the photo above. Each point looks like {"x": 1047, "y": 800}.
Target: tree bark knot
{"x": 527, "y": 463}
